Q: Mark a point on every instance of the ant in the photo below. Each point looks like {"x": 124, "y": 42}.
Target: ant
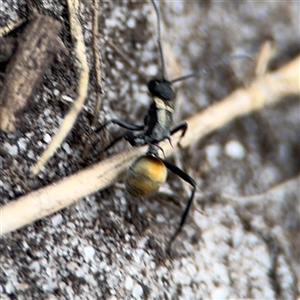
{"x": 149, "y": 171}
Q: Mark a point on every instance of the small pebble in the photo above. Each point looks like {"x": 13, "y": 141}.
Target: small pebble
{"x": 22, "y": 143}
{"x": 212, "y": 154}
{"x": 67, "y": 148}
{"x": 12, "y": 149}
{"x": 57, "y": 220}
{"x": 47, "y": 138}
{"x": 235, "y": 150}
{"x": 89, "y": 253}
{"x": 137, "y": 291}
{"x": 128, "y": 283}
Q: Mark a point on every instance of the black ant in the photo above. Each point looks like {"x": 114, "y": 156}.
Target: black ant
{"x": 149, "y": 172}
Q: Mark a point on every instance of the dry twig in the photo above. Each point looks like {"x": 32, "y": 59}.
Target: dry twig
{"x": 259, "y": 200}
{"x": 266, "y": 53}
{"x": 98, "y": 72}
{"x": 265, "y": 90}
{"x": 8, "y": 47}
{"x": 36, "y": 49}
{"x": 71, "y": 117}
{"x": 10, "y": 27}
{"x": 97, "y": 64}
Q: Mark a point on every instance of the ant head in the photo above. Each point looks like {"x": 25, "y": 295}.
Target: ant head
{"x": 161, "y": 89}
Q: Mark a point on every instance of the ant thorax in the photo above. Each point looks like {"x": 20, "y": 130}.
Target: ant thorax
{"x": 158, "y": 121}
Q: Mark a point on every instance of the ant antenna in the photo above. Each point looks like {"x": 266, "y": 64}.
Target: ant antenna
{"x": 212, "y": 67}
{"x": 194, "y": 74}
{"x": 162, "y": 62}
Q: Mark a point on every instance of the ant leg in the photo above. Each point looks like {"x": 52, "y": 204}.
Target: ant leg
{"x": 192, "y": 182}
{"x": 152, "y": 150}
{"x": 122, "y": 124}
{"x": 183, "y": 127}
{"x": 113, "y": 143}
